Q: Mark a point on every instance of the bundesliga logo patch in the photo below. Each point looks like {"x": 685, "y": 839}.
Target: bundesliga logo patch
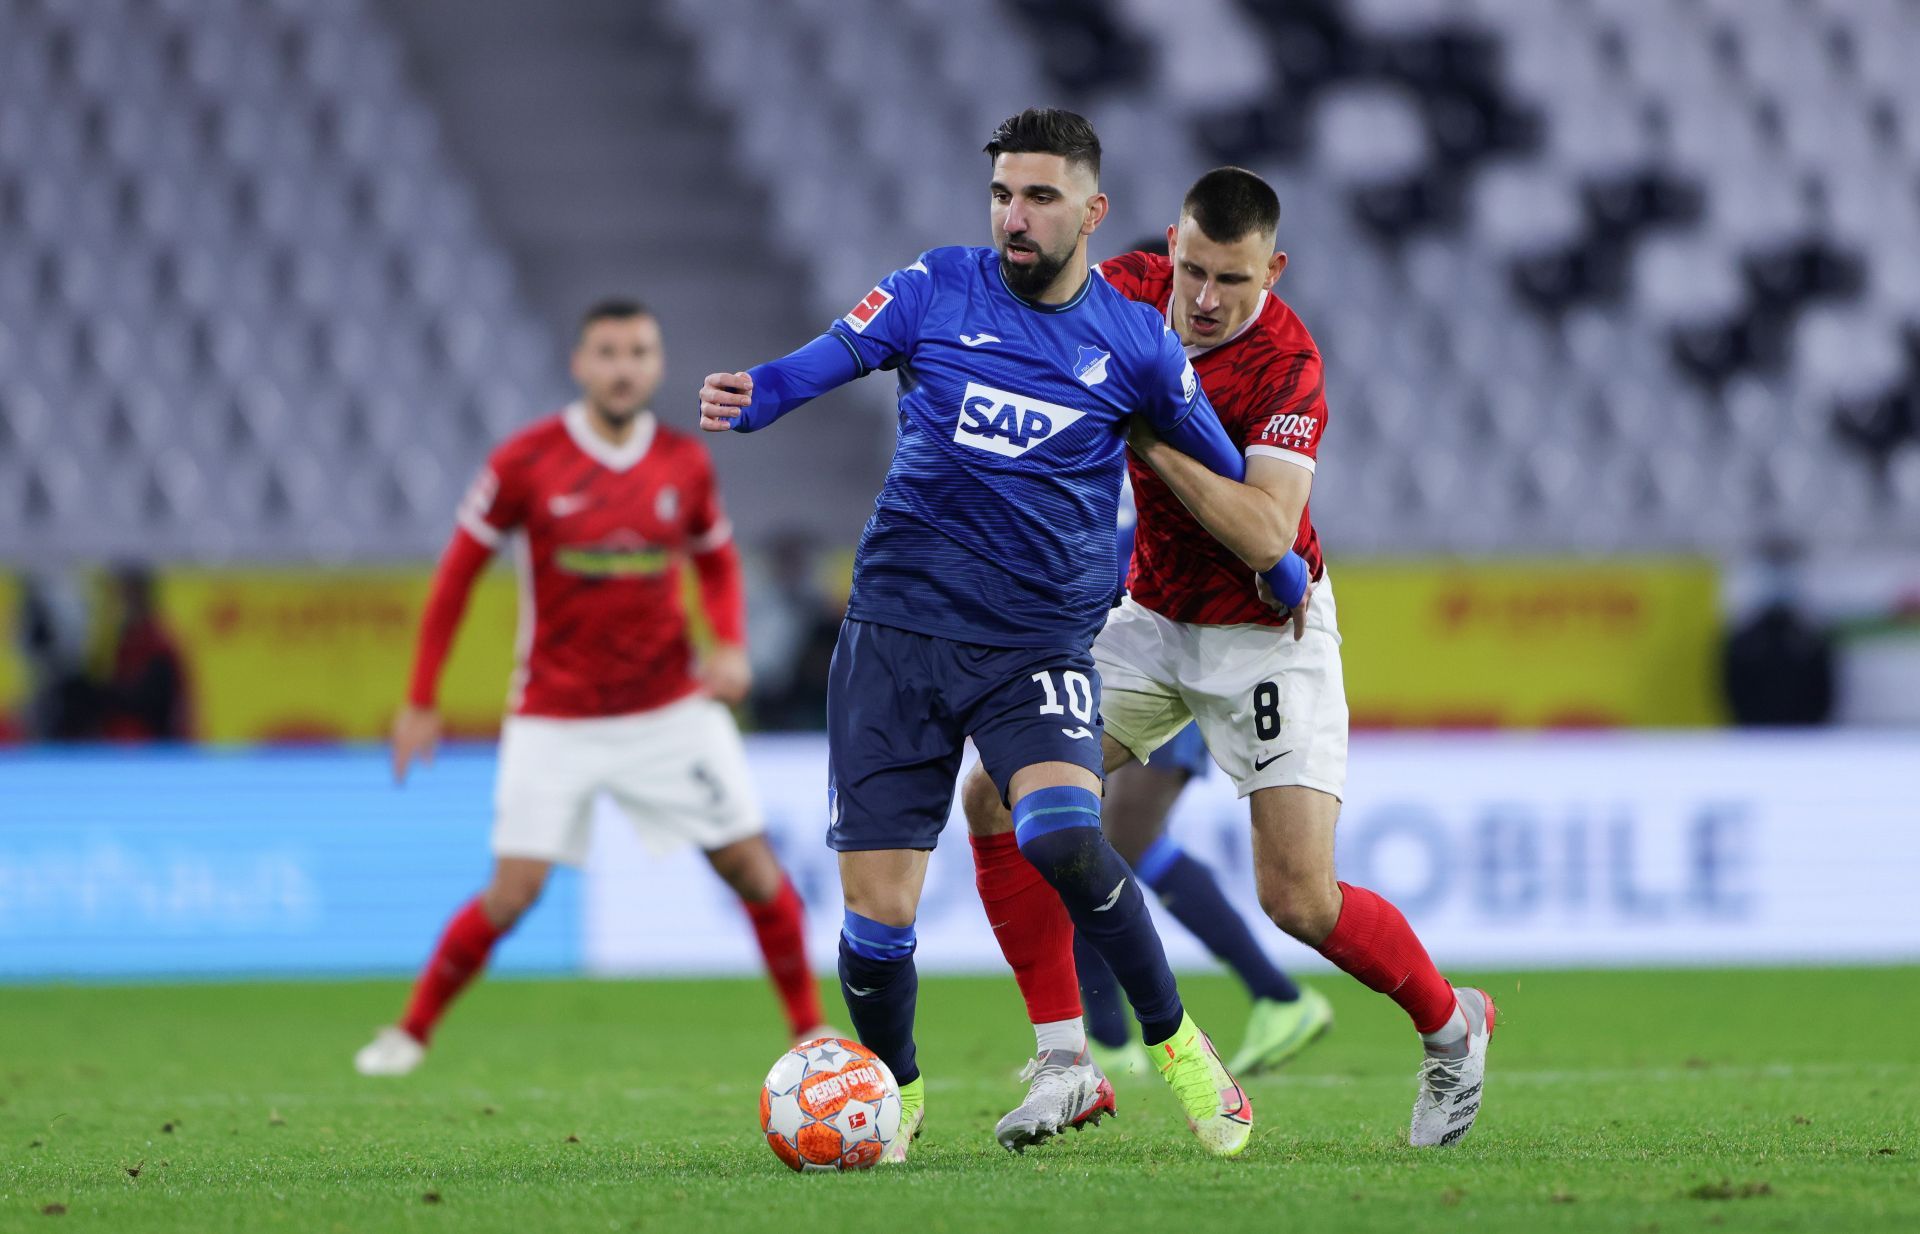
{"x": 864, "y": 312}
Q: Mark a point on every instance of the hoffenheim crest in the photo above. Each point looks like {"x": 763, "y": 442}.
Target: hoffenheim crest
{"x": 1091, "y": 367}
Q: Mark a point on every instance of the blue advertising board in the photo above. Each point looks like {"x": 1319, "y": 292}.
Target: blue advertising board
{"x": 125, "y": 863}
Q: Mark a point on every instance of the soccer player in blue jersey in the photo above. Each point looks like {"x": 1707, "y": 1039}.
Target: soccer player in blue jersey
{"x": 981, "y": 578}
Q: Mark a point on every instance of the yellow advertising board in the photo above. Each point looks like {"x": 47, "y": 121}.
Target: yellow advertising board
{"x": 279, "y": 655}
{"x": 1530, "y": 643}
{"x": 13, "y": 669}
{"x": 311, "y": 654}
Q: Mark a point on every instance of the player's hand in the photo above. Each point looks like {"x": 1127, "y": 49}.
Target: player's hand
{"x": 416, "y": 731}
{"x": 1141, "y": 438}
{"x": 725, "y": 673}
{"x": 722, "y": 398}
{"x": 1298, "y": 614}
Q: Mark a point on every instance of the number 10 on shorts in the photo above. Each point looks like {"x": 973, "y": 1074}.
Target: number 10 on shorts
{"x": 1079, "y": 692}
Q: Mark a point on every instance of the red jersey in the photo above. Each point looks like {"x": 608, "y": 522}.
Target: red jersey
{"x": 604, "y": 531}
{"x": 1266, "y": 384}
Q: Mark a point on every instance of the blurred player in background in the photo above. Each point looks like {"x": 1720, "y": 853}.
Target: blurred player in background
{"x": 1286, "y": 1017}
{"x": 981, "y": 578}
{"x": 608, "y": 696}
{"x": 1198, "y": 638}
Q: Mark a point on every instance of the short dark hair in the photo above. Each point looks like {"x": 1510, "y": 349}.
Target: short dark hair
{"x": 1048, "y": 130}
{"x": 1229, "y": 203}
{"x": 614, "y": 308}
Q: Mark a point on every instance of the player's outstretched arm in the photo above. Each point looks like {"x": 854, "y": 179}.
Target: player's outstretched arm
{"x": 743, "y": 402}
{"x": 416, "y": 729}
{"x": 1201, "y": 437}
{"x": 1257, "y": 519}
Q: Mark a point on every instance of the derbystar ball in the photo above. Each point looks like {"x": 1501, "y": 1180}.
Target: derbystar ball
{"x": 829, "y": 1104}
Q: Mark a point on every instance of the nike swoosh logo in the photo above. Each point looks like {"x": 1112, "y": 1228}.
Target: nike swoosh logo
{"x": 1261, "y": 764}
{"x": 567, "y": 503}
{"x": 975, "y": 340}
{"x": 1077, "y": 732}
{"x": 857, "y": 992}
{"x": 1114, "y": 898}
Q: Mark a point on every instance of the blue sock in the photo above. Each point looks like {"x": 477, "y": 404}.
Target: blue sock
{"x": 878, "y": 980}
{"x": 1059, "y": 832}
{"x": 1188, "y": 890}
{"x": 1100, "y": 999}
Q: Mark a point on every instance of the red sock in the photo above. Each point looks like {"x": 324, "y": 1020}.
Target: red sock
{"x": 1372, "y": 941}
{"x": 457, "y": 959}
{"x": 781, "y": 928}
{"x": 1035, "y": 933}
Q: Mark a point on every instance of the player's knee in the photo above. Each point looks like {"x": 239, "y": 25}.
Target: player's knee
{"x": 1301, "y": 907}
{"x": 1059, "y": 833}
{"x": 986, "y": 814}
{"x": 894, "y": 906}
{"x": 873, "y": 946}
{"x": 749, "y": 868}
{"x": 509, "y": 896}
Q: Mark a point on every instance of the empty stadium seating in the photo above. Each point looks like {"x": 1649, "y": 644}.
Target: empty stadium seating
{"x": 1588, "y": 274}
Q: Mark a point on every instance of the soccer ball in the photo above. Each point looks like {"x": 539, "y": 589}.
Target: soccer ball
{"x": 829, "y": 1104}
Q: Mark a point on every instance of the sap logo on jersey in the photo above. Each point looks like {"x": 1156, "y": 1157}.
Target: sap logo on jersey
{"x": 1009, "y": 424}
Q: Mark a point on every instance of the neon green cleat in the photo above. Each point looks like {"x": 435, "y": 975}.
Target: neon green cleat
{"x": 1278, "y": 1031}
{"x": 1130, "y": 1060}
{"x": 1217, "y": 1109}
{"x": 913, "y": 1112}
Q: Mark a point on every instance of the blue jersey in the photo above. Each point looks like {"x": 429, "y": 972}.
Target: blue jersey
{"x": 996, "y": 523}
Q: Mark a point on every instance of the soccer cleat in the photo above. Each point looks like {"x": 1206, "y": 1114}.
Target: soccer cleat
{"x": 1130, "y": 1060}
{"x": 1217, "y": 1109}
{"x": 393, "y": 1051}
{"x": 1277, "y": 1031}
{"x": 1068, "y": 1090}
{"x": 1452, "y": 1077}
{"x": 913, "y": 1112}
{"x": 817, "y": 1033}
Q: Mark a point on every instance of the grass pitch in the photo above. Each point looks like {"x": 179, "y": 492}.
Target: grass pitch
{"x": 1629, "y": 1101}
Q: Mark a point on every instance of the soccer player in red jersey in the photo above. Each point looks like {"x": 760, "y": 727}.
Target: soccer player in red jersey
{"x": 608, "y": 695}
{"x": 1198, "y": 639}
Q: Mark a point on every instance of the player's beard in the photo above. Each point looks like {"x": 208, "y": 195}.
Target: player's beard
{"x": 621, "y": 412}
{"x": 1029, "y": 281}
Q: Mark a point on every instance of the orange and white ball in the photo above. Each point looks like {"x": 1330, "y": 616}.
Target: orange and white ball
{"x": 829, "y": 1104}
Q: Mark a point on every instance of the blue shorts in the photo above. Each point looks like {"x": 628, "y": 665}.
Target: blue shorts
{"x": 1185, "y": 751}
{"x": 901, "y": 705}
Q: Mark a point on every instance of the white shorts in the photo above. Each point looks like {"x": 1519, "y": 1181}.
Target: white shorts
{"x": 679, "y": 773}
{"x": 1273, "y": 711}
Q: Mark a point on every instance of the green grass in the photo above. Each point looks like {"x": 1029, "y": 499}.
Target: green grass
{"x": 1615, "y": 1101}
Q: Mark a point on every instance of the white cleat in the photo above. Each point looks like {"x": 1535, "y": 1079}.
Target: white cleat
{"x": 817, "y": 1033}
{"x": 393, "y": 1051}
{"x": 1067, "y": 1090}
{"x": 1452, "y": 1078}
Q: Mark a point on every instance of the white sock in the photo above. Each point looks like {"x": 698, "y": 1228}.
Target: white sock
{"x": 1061, "y": 1035}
